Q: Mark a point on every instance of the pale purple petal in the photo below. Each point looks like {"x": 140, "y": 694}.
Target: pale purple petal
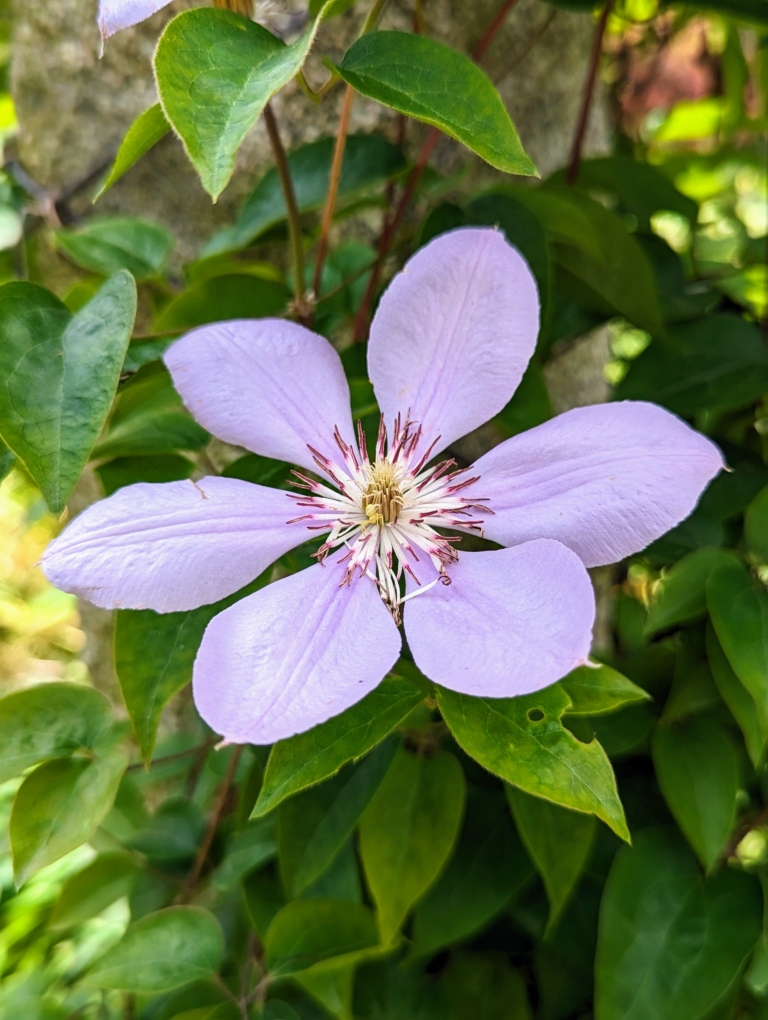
{"x": 511, "y": 621}
{"x": 265, "y": 384}
{"x": 117, "y": 14}
{"x": 453, "y": 333}
{"x": 294, "y": 654}
{"x": 605, "y": 480}
{"x": 173, "y": 546}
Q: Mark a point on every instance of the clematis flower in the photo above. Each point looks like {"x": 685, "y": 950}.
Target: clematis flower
{"x": 449, "y": 344}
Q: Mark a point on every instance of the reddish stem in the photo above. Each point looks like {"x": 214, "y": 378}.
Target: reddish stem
{"x": 333, "y": 187}
{"x": 589, "y": 91}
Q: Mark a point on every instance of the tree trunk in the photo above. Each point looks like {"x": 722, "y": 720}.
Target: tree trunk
{"x": 74, "y": 109}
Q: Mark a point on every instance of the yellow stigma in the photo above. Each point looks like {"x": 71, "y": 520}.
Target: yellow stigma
{"x": 383, "y": 498}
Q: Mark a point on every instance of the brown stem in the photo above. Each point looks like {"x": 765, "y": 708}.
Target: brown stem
{"x": 589, "y": 90}
{"x": 294, "y": 219}
{"x": 205, "y": 846}
{"x": 392, "y": 224}
{"x": 333, "y": 187}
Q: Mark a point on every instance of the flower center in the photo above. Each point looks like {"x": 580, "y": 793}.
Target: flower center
{"x": 383, "y": 498}
{"x": 386, "y": 512}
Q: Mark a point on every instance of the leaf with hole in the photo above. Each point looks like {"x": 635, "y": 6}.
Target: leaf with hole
{"x": 408, "y": 832}
{"x": 308, "y": 758}
{"x": 161, "y": 952}
{"x": 216, "y": 71}
{"x": 523, "y": 741}
{"x": 149, "y": 128}
{"x": 58, "y": 807}
{"x": 59, "y": 374}
{"x": 430, "y": 82}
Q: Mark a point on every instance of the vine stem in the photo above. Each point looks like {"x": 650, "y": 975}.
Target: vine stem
{"x": 392, "y": 224}
{"x": 589, "y": 91}
{"x": 210, "y": 832}
{"x": 294, "y": 220}
{"x": 333, "y": 187}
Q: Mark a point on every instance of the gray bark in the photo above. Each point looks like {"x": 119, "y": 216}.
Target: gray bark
{"x": 75, "y": 108}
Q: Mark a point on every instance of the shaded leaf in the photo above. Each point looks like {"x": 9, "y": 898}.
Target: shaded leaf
{"x": 430, "y": 82}
{"x": 161, "y": 952}
{"x": 698, "y": 773}
{"x": 523, "y": 741}
{"x": 60, "y": 372}
{"x": 408, "y": 832}
{"x": 308, "y": 758}
{"x": 147, "y": 130}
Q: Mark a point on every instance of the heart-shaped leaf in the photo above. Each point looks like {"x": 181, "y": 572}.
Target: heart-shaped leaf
{"x": 59, "y": 373}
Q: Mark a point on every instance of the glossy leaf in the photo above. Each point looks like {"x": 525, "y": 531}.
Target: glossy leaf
{"x": 670, "y": 944}
{"x": 744, "y": 709}
{"x": 487, "y": 869}
{"x": 215, "y": 73}
{"x": 147, "y": 130}
{"x": 523, "y": 741}
{"x": 430, "y": 82}
{"x": 368, "y": 159}
{"x": 600, "y": 689}
{"x": 308, "y": 758}
{"x": 408, "y": 832}
{"x": 162, "y": 951}
{"x": 306, "y": 933}
{"x": 93, "y": 889}
{"x": 698, "y": 773}
{"x": 233, "y": 296}
{"x": 756, "y": 526}
{"x": 60, "y": 373}
{"x": 119, "y": 242}
{"x": 683, "y": 592}
{"x": 739, "y": 611}
{"x": 58, "y": 807}
{"x": 49, "y": 721}
{"x": 716, "y": 363}
{"x": 558, "y": 842}
{"x": 315, "y": 825}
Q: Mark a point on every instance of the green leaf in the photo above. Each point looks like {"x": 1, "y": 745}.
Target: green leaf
{"x": 122, "y": 471}
{"x": 233, "y": 296}
{"x": 147, "y": 130}
{"x": 60, "y": 372}
{"x": 308, "y": 758}
{"x": 716, "y": 363}
{"x": 669, "y": 943}
{"x": 486, "y": 986}
{"x": 408, "y": 832}
{"x": 315, "y": 825}
{"x": 487, "y": 869}
{"x": 58, "y": 807}
{"x": 154, "y": 655}
{"x": 216, "y": 71}
{"x": 756, "y": 526}
{"x": 523, "y": 741}
{"x": 93, "y": 889}
{"x": 430, "y": 82}
{"x": 161, "y": 952}
{"x": 738, "y": 699}
{"x": 49, "y": 721}
{"x": 368, "y": 159}
{"x": 739, "y": 611}
{"x": 558, "y": 842}
{"x": 698, "y": 773}
{"x": 597, "y": 690}
{"x": 682, "y": 596}
{"x": 306, "y": 933}
{"x": 119, "y": 242}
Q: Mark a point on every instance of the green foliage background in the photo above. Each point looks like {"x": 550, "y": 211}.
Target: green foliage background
{"x": 597, "y": 849}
